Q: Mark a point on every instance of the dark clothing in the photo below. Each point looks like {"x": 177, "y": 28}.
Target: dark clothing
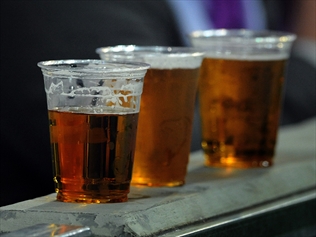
{"x": 299, "y": 91}
{"x": 32, "y": 31}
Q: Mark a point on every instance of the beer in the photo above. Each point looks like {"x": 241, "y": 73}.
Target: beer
{"x": 240, "y": 108}
{"x": 166, "y": 111}
{"x": 165, "y": 127}
{"x": 240, "y": 88}
{"x": 92, "y": 154}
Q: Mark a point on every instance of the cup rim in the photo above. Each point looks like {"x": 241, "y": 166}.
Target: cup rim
{"x": 97, "y": 66}
{"x": 243, "y": 36}
{"x": 152, "y": 51}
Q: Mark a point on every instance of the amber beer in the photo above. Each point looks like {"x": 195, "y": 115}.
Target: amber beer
{"x": 166, "y": 111}
{"x": 92, "y": 155}
{"x": 240, "y": 107}
{"x": 165, "y": 127}
{"x": 240, "y": 90}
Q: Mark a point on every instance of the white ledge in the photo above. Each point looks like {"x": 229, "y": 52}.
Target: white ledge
{"x": 208, "y": 193}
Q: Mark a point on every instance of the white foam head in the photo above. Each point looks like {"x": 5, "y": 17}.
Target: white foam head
{"x": 243, "y": 44}
{"x": 158, "y": 57}
{"x": 173, "y": 61}
{"x": 247, "y": 57}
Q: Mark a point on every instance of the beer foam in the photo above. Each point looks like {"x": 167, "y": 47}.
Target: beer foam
{"x": 156, "y": 57}
{"x": 173, "y": 61}
{"x": 248, "y": 57}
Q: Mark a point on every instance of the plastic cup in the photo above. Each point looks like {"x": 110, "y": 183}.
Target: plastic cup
{"x": 240, "y": 93}
{"x": 166, "y": 113}
{"x": 93, "y": 109}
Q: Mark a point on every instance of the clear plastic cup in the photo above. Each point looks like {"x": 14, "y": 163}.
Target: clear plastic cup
{"x": 166, "y": 113}
{"x": 240, "y": 92}
{"x": 93, "y": 109}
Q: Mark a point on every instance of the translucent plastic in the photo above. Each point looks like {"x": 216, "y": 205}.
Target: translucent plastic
{"x": 240, "y": 92}
{"x": 166, "y": 113}
{"x": 93, "y": 109}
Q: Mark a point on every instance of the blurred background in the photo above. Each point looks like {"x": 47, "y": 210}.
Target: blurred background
{"x": 33, "y": 31}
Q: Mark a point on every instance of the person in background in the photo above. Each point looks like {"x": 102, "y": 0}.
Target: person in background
{"x": 297, "y": 16}
{"x": 192, "y": 15}
{"x": 33, "y": 31}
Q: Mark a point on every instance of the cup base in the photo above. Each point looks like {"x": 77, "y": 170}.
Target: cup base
{"x": 81, "y": 198}
{"x": 238, "y": 162}
{"x": 158, "y": 184}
